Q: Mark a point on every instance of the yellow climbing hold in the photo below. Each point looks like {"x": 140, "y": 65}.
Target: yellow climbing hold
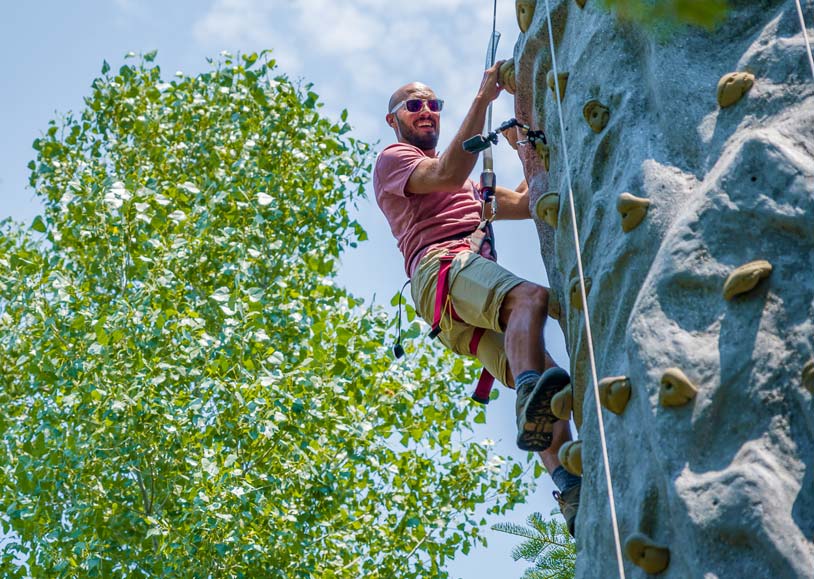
{"x": 581, "y": 3}
{"x": 596, "y": 114}
{"x": 547, "y": 208}
{"x": 632, "y": 209}
{"x": 576, "y": 294}
{"x": 525, "y": 13}
{"x": 808, "y": 376}
{"x": 746, "y": 277}
{"x": 554, "y": 307}
{"x": 676, "y": 388}
{"x": 614, "y": 393}
{"x": 733, "y": 86}
{"x": 544, "y": 151}
{"x": 506, "y": 76}
{"x": 651, "y": 557}
{"x": 570, "y": 456}
{"x": 562, "y": 80}
{"x": 562, "y": 402}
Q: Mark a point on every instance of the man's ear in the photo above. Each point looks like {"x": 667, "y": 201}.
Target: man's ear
{"x": 390, "y": 118}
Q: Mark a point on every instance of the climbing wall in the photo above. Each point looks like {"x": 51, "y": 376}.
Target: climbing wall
{"x": 692, "y": 163}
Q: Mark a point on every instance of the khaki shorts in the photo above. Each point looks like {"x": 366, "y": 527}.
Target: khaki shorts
{"x": 477, "y": 287}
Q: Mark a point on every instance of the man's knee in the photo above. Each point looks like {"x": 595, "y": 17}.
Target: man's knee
{"x": 526, "y": 298}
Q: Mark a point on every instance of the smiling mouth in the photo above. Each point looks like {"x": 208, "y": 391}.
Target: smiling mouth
{"x": 425, "y": 125}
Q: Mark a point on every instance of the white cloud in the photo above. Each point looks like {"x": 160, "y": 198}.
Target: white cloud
{"x": 357, "y": 52}
{"x": 339, "y": 28}
{"x": 235, "y": 21}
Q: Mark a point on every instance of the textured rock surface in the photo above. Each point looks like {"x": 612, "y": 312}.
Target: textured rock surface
{"x": 727, "y": 480}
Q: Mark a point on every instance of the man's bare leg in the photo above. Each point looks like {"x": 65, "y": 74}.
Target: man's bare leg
{"x": 562, "y": 434}
{"x": 522, "y": 315}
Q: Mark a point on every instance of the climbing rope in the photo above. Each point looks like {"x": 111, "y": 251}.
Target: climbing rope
{"x": 557, "y": 93}
{"x": 805, "y": 36}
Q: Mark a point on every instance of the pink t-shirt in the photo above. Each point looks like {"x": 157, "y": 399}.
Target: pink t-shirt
{"x": 418, "y": 221}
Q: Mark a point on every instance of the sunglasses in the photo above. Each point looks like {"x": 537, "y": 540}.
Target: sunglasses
{"x": 415, "y": 105}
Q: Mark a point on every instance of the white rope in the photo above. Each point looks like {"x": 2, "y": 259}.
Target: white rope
{"x": 617, "y": 540}
{"x": 805, "y": 36}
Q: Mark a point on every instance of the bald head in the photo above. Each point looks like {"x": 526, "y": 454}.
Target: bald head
{"x": 419, "y": 128}
{"x": 410, "y": 90}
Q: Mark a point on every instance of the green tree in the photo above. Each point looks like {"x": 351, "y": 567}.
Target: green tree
{"x": 548, "y": 546}
{"x": 704, "y": 13}
{"x": 184, "y": 391}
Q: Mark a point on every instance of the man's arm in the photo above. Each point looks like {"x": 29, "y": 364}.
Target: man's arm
{"x": 511, "y": 204}
{"x": 450, "y": 171}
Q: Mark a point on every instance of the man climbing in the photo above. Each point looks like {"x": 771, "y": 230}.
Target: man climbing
{"x": 434, "y": 211}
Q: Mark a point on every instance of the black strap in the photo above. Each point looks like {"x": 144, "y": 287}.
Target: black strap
{"x": 398, "y": 350}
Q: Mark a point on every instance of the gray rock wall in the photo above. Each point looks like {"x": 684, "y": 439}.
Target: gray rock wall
{"x": 726, "y": 482}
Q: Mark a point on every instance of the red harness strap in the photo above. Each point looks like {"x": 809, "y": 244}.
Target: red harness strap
{"x": 442, "y": 302}
{"x": 486, "y": 380}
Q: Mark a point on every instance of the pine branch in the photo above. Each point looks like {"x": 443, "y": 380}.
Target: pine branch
{"x": 547, "y": 545}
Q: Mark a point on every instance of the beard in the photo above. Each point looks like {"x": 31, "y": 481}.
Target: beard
{"x": 425, "y": 142}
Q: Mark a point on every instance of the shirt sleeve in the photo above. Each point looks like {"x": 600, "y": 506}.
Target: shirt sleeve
{"x": 394, "y": 167}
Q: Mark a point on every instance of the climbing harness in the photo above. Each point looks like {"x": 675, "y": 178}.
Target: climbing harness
{"x": 805, "y": 36}
{"x": 589, "y": 338}
{"x": 443, "y": 304}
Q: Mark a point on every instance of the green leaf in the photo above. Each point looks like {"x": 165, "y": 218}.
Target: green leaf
{"x": 250, "y": 59}
{"x": 105, "y": 67}
{"x": 703, "y": 13}
{"x": 38, "y": 224}
{"x": 150, "y": 56}
{"x": 311, "y": 101}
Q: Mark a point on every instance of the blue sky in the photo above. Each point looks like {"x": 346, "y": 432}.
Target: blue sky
{"x": 356, "y": 52}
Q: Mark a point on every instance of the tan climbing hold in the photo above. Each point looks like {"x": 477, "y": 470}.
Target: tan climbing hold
{"x": 808, "y": 376}
{"x": 651, "y": 557}
{"x": 562, "y": 402}
{"x": 554, "y": 307}
{"x": 614, "y": 393}
{"x": 746, "y": 277}
{"x": 562, "y": 79}
{"x": 506, "y": 76}
{"x": 596, "y": 114}
{"x": 576, "y": 294}
{"x": 525, "y": 13}
{"x": 570, "y": 456}
{"x": 676, "y": 388}
{"x": 544, "y": 151}
{"x": 733, "y": 86}
{"x": 547, "y": 208}
{"x": 632, "y": 209}
{"x": 581, "y": 3}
